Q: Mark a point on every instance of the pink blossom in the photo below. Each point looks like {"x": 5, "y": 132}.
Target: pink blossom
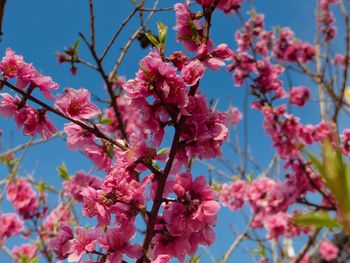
{"x": 171, "y": 246}
{"x": 45, "y": 84}
{"x": 75, "y": 185}
{"x": 120, "y": 187}
{"x": 243, "y": 65}
{"x": 11, "y": 226}
{"x": 76, "y": 104}
{"x": 257, "y": 194}
{"x": 162, "y": 259}
{"x": 25, "y": 251}
{"x": 118, "y": 239}
{"x": 252, "y": 28}
{"x": 60, "y": 243}
{"x": 217, "y": 57}
{"x": 97, "y": 154}
{"x": 229, "y": 6}
{"x": 232, "y": 116}
{"x": 119, "y": 82}
{"x": 179, "y": 59}
{"x": 93, "y": 205}
{"x": 305, "y": 259}
{"x": 214, "y": 58}
{"x": 276, "y": 226}
{"x": 339, "y": 59}
{"x": 299, "y": 95}
{"x": 28, "y": 118}
{"x": 189, "y": 30}
{"x": 60, "y": 214}
{"x": 188, "y": 221}
{"x": 291, "y": 50}
{"x": 328, "y": 250}
{"x": 77, "y": 137}
{"x": 327, "y": 20}
{"x": 34, "y": 121}
{"x": 267, "y": 80}
{"x": 11, "y": 63}
{"x": 197, "y": 189}
{"x": 234, "y": 195}
{"x": 45, "y": 127}
{"x": 204, "y": 130}
{"x": 9, "y": 105}
{"x": 345, "y": 139}
{"x": 85, "y": 241}
{"x": 22, "y": 196}
{"x": 207, "y": 212}
{"x": 192, "y": 72}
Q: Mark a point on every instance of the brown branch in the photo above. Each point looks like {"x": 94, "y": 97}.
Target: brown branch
{"x": 23, "y": 146}
{"x": 92, "y": 23}
{"x": 339, "y": 102}
{"x": 92, "y": 129}
{"x": 109, "y": 86}
{"x": 309, "y": 243}
{"x": 157, "y": 9}
{"x": 13, "y": 171}
{"x": 161, "y": 183}
{"x": 236, "y": 242}
{"x": 126, "y": 47}
{"x": 2, "y": 13}
{"x": 121, "y": 27}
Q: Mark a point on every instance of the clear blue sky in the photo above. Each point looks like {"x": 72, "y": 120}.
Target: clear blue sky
{"x": 38, "y": 28}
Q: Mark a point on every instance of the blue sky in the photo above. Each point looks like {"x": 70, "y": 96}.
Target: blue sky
{"x": 36, "y": 29}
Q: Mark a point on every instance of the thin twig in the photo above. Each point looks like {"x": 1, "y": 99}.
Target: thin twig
{"x": 119, "y": 30}
{"x": 22, "y": 146}
{"x": 306, "y": 247}
{"x": 92, "y": 129}
{"x": 92, "y": 23}
{"x": 347, "y": 53}
{"x": 114, "y": 71}
{"x": 236, "y": 242}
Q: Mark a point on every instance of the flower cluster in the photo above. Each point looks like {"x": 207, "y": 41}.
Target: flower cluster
{"x": 328, "y": 250}
{"x": 13, "y": 65}
{"x": 23, "y": 198}
{"x": 144, "y": 179}
{"x": 327, "y": 20}
{"x": 292, "y": 50}
{"x": 76, "y": 104}
{"x": 32, "y": 120}
{"x": 11, "y": 226}
{"x": 74, "y": 186}
{"x": 187, "y": 221}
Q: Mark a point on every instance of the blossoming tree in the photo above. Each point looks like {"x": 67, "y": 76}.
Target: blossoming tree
{"x": 146, "y": 202}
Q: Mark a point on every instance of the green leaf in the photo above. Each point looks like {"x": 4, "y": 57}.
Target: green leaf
{"x": 133, "y": 2}
{"x": 194, "y": 30}
{"x": 195, "y": 259}
{"x": 12, "y": 163}
{"x": 260, "y": 251}
{"x": 106, "y": 121}
{"x": 163, "y": 151}
{"x": 216, "y": 185}
{"x": 34, "y": 260}
{"x": 42, "y": 187}
{"x": 162, "y": 32}
{"x": 76, "y": 44}
{"x": 337, "y": 176}
{"x": 317, "y": 219}
{"x": 316, "y": 162}
{"x": 153, "y": 39}
{"x": 62, "y": 172}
